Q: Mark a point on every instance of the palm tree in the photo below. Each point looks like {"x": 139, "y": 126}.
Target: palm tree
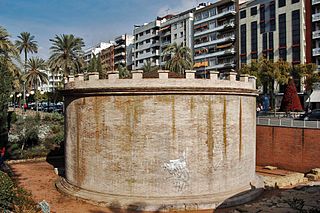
{"x": 26, "y": 44}
{"x": 180, "y": 58}
{"x": 66, "y": 53}
{"x": 34, "y": 77}
{"x": 147, "y": 67}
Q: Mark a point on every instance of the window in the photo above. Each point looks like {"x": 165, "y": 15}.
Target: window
{"x": 272, "y": 10}
{"x": 282, "y": 37}
{"x": 243, "y": 39}
{"x": 148, "y": 41}
{"x": 198, "y": 17}
{"x": 181, "y": 24}
{"x": 281, "y": 3}
{"x": 262, "y": 18}
{"x": 213, "y": 12}
{"x": 294, "y": 1}
{"x": 213, "y": 36}
{"x": 141, "y": 34}
{"x": 148, "y": 31}
{"x": 243, "y": 43}
{"x": 270, "y": 50}
{"x": 205, "y": 14}
{"x": 181, "y": 34}
{"x": 253, "y": 11}
{"x": 254, "y": 40}
{"x": 242, "y": 14}
{"x": 264, "y": 45}
{"x": 175, "y": 36}
{"x": 175, "y": 26}
{"x": 296, "y": 36}
{"x": 295, "y": 27}
{"x": 147, "y": 50}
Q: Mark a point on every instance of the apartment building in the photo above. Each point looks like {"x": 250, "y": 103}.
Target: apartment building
{"x": 272, "y": 29}
{"x": 123, "y": 51}
{"x": 176, "y": 29}
{"x": 55, "y": 81}
{"x": 313, "y": 28}
{"x": 215, "y": 43}
{"x": 107, "y": 58}
{"x": 95, "y": 50}
{"x": 146, "y": 44}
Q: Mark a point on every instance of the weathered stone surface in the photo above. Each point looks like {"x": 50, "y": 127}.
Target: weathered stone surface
{"x": 271, "y": 167}
{"x": 182, "y": 143}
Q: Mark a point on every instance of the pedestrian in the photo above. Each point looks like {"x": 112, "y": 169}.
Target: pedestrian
{"x": 2, "y": 152}
{"x": 25, "y": 106}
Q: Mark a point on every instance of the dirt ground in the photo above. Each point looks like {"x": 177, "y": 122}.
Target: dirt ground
{"x": 39, "y": 178}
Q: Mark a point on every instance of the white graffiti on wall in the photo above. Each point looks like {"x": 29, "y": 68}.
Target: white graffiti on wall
{"x": 178, "y": 170}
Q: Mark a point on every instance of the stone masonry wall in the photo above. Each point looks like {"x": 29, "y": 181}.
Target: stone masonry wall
{"x": 161, "y": 138}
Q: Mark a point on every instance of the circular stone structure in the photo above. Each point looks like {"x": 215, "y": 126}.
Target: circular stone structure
{"x": 160, "y": 144}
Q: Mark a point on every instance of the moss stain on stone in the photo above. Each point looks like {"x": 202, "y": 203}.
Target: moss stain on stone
{"x": 225, "y": 126}
{"x": 240, "y": 129}
{"x": 192, "y": 105}
{"x": 210, "y": 141}
{"x": 96, "y": 112}
{"x": 173, "y": 112}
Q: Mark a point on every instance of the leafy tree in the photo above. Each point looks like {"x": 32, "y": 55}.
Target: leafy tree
{"x": 123, "y": 72}
{"x": 35, "y": 77}
{"x": 147, "y": 67}
{"x": 290, "y": 101}
{"x": 66, "y": 53}
{"x": 180, "y": 58}
{"x": 26, "y": 44}
{"x": 8, "y": 72}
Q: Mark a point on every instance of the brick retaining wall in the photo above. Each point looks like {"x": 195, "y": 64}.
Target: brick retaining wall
{"x": 295, "y": 149}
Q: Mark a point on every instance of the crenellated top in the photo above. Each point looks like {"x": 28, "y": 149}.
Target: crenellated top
{"x": 161, "y": 85}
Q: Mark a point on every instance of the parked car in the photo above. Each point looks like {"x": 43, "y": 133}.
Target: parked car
{"x": 314, "y": 115}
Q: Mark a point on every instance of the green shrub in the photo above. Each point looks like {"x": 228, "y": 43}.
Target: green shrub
{"x": 14, "y": 198}
{"x": 56, "y": 129}
{"x": 56, "y": 117}
{"x": 7, "y": 194}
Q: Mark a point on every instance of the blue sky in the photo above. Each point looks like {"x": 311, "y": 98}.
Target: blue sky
{"x": 93, "y": 20}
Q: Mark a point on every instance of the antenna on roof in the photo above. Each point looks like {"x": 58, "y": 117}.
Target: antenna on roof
{"x": 167, "y": 11}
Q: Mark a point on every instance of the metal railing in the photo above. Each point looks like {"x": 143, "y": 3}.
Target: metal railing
{"x": 287, "y": 122}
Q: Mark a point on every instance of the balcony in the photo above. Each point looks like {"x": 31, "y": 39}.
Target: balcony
{"x": 233, "y": 12}
{"x": 120, "y": 54}
{"x": 219, "y": 66}
{"x": 217, "y": 41}
{"x": 316, "y": 17}
{"x": 316, "y": 52}
{"x": 120, "y": 46}
{"x": 120, "y": 62}
{"x": 218, "y": 53}
{"x": 221, "y": 27}
{"x": 315, "y": 2}
{"x": 316, "y": 34}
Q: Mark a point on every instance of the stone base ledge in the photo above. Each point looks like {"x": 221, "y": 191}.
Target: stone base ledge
{"x": 164, "y": 204}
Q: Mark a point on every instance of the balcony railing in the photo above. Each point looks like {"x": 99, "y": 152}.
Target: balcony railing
{"x": 315, "y": 2}
{"x": 316, "y": 52}
{"x": 316, "y": 34}
{"x": 218, "y": 53}
{"x": 229, "y": 38}
{"x": 233, "y": 12}
{"x": 316, "y": 17}
{"x": 213, "y": 29}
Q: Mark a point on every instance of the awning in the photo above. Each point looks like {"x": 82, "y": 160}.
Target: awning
{"x": 224, "y": 45}
{"x": 164, "y": 28}
{"x": 314, "y": 97}
{"x": 201, "y": 64}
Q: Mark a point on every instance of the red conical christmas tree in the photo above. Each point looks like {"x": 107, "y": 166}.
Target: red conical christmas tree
{"x": 290, "y": 101}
